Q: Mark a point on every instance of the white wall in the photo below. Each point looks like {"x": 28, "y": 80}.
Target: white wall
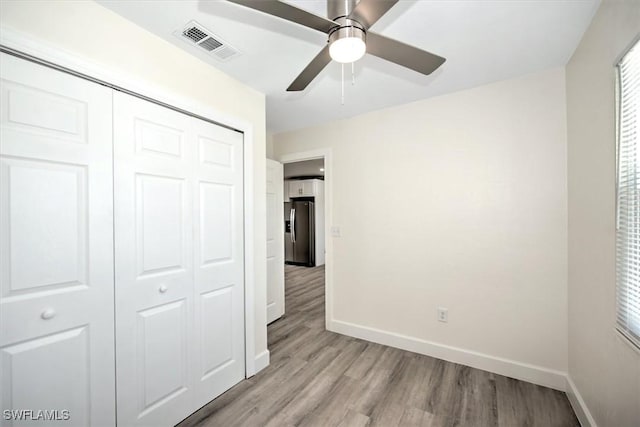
{"x": 604, "y": 368}
{"x": 456, "y": 201}
{"x": 269, "y": 146}
{"x": 88, "y": 30}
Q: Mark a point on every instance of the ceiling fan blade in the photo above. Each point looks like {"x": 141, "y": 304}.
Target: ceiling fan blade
{"x": 403, "y": 54}
{"x": 316, "y": 65}
{"x": 288, "y": 12}
{"x": 367, "y": 12}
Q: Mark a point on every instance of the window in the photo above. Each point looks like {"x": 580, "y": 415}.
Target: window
{"x": 628, "y": 195}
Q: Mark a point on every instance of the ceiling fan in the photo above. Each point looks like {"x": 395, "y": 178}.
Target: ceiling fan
{"x": 349, "y": 37}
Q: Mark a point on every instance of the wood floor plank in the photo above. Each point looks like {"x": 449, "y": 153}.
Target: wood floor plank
{"x": 318, "y": 378}
{"x": 354, "y": 419}
{"x": 335, "y": 408}
{"x": 365, "y": 361}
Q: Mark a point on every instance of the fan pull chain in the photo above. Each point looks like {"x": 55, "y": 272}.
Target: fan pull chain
{"x": 353, "y": 74}
{"x": 342, "y": 99}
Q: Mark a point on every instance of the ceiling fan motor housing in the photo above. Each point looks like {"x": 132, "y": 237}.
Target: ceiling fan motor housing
{"x": 338, "y": 11}
{"x": 347, "y": 28}
{"x": 340, "y": 8}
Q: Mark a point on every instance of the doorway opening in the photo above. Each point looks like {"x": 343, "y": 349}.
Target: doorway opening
{"x": 307, "y": 265}
{"x": 304, "y": 241}
{"x": 304, "y": 213}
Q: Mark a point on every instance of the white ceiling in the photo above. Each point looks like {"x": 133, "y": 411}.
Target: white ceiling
{"x": 484, "y": 41}
{"x": 305, "y": 168}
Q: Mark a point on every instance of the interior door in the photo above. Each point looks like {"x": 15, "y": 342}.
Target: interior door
{"x": 153, "y": 178}
{"x": 179, "y": 262}
{"x": 275, "y": 241}
{"x": 56, "y": 251}
{"x": 219, "y": 260}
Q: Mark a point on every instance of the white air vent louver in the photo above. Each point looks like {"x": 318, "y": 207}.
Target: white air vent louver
{"x": 197, "y": 35}
{"x": 194, "y": 34}
{"x": 210, "y": 44}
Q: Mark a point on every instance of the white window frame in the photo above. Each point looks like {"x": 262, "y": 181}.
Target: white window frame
{"x": 627, "y": 317}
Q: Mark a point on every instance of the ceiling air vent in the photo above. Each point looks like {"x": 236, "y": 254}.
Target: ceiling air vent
{"x": 196, "y": 34}
{"x": 210, "y": 44}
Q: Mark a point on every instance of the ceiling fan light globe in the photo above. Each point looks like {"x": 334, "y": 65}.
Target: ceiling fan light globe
{"x": 347, "y": 50}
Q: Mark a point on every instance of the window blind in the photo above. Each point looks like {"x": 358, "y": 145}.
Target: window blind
{"x": 628, "y": 195}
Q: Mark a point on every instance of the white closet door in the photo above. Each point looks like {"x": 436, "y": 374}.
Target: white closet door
{"x": 275, "y": 241}
{"x": 219, "y": 265}
{"x": 56, "y": 250}
{"x": 153, "y": 264}
{"x": 179, "y": 262}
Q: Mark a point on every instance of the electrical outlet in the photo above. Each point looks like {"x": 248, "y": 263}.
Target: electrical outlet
{"x": 443, "y": 314}
{"x": 335, "y": 231}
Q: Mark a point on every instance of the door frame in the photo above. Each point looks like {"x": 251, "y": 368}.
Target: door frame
{"x": 325, "y": 154}
{"x": 36, "y": 50}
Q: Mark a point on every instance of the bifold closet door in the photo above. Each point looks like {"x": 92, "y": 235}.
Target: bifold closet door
{"x": 56, "y": 246}
{"x": 219, "y": 360}
{"x": 153, "y": 262}
{"x": 179, "y": 262}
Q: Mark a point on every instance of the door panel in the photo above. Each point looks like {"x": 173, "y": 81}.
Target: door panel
{"x": 155, "y": 139}
{"x": 219, "y": 263}
{"x": 275, "y": 241}
{"x": 217, "y": 338}
{"x": 44, "y": 114}
{"x": 56, "y": 265}
{"x": 160, "y": 209}
{"x": 154, "y": 274}
{"x": 218, "y": 153}
{"x": 216, "y": 223}
{"x": 30, "y": 382}
{"x": 162, "y": 345}
{"x": 49, "y": 199}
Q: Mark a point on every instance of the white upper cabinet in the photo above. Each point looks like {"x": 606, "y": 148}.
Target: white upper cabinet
{"x": 303, "y": 188}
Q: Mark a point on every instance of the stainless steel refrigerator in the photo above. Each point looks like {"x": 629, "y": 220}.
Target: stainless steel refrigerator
{"x": 299, "y": 233}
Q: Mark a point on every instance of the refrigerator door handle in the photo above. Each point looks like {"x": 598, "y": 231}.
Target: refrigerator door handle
{"x": 312, "y": 235}
{"x": 292, "y": 219}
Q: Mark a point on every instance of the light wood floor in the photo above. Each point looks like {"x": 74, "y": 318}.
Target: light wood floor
{"x": 319, "y": 378}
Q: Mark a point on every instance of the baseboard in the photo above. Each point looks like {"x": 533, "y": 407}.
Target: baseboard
{"x": 578, "y": 405}
{"x": 509, "y": 368}
{"x": 262, "y": 361}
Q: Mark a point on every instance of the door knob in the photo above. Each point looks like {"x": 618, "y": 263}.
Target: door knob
{"x": 162, "y": 289}
{"x": 48, "y": 314}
